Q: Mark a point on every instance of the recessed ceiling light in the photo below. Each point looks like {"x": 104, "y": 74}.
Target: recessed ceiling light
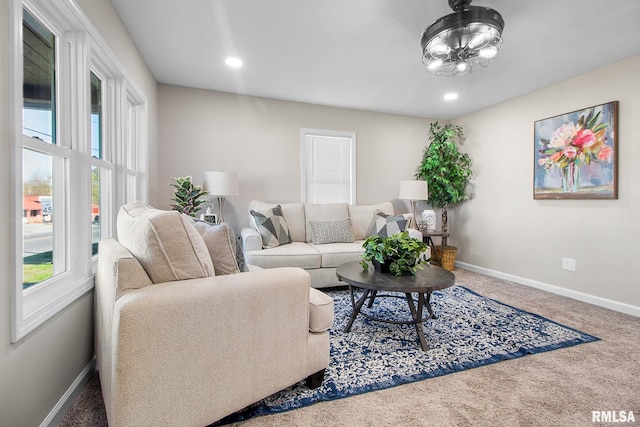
{"x": 233, "y": 62}
{"x": 451, "y": 96}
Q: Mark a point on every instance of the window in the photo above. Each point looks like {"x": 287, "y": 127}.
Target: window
{"x": 328, "y": 166}
{"x": 96, "y": 154}
{"x": 78, "y": 154}
{"x": 43, "y": 162}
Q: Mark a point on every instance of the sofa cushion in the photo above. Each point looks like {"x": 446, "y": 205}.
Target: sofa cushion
{"x": 387, "y": 225}
{"x": 362, "y": 218}
{"x": 221, "y": 243}
{"x": 323, "y": 212}
{"x": 334, "y": 254}
{"x": 331, "y": 231}
{"x": 320, "y": 311}
{"x": 295, "y": 254}
{"x": 167, "y": 246}
{"x": 272, "y": 227}
{"x": 293, "y": 213}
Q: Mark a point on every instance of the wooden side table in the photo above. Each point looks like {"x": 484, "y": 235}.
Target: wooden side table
{"x": 427, "y": 237}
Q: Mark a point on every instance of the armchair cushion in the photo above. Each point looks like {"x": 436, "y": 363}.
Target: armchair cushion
{"x": 167, "y": 246}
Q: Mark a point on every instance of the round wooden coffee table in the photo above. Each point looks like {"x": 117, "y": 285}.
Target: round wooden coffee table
{"x": 424, "y": 283}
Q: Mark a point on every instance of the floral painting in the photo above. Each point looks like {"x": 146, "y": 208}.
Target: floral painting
{"x": 576, "y": 154}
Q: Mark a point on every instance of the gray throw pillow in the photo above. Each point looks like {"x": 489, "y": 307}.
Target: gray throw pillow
{"x": 237, "y": 247}
{"x": 323, "y": 232}
{"x": 272, "y": 227}
{"x": 387, "y": 225}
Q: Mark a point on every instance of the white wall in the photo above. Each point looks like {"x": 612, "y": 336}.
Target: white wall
{"x": 259, "y": 139}
{"x": 503, "y": 229}
{"x": 36, "y": 372}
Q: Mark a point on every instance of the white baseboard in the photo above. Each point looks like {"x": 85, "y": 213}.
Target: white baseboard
{"x": 580, "y": 296}
{"x": 58, "y": 411}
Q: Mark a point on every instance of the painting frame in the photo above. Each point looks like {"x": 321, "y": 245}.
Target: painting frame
{"x": 576, "y": 154}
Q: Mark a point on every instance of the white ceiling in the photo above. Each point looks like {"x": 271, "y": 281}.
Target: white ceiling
{"x": 365, "y": 54}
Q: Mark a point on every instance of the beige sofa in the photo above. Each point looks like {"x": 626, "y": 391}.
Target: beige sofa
{"x": 320, "y": 260}
{"x": 178, "y": 346}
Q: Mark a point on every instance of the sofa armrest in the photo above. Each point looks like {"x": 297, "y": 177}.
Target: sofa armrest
{"x": 251, "y": 239}
{"x": 226, "y": 340}
{"x": 415, "y": 234}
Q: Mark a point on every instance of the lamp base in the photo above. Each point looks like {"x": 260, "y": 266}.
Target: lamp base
{"x": 412, "y": 222}
{"x": 221, "y": 205}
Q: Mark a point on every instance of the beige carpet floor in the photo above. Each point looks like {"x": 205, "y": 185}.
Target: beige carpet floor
{"x": 556, "y": 388}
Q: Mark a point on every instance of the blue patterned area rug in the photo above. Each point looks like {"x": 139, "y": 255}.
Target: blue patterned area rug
{"x": 469, "y": 331}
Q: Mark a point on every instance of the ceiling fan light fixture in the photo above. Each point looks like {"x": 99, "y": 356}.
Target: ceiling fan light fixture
{"x": 461, "y": 41}
{"x": 441, "y": 49}
{"x": 233, "y": 62}
{"x": 434, "y": 65}
{"x": 488, "y": 52}
{"x": 477, "y": 40}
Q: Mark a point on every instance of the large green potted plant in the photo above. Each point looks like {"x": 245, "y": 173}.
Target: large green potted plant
{"x": 187, "y": 195}
{"x": 396, "y": 254}
{"x": 445, "y": 168}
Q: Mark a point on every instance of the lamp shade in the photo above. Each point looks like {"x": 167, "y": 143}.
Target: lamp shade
{"x": 413, "y": 190}
{"x": 221, "y": 183}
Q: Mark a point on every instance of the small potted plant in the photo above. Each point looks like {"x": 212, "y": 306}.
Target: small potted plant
{"x": 187, "y": 196}
{"x": 396, "y": 254}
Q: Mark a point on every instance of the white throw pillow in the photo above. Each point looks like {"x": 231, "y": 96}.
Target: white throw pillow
{"x": 167, "y": 246}
{"x": 220, "y": 241}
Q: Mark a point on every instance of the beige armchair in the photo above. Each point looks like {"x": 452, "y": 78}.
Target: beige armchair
{"x": 189, "y": 352}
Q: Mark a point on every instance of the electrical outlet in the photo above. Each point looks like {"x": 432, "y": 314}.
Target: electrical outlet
{"x": 569, "y": 264}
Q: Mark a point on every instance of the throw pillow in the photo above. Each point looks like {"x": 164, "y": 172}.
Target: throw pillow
{"x": 331, "y": 231}
{"x": 220, "y": 241}
{"x": 272, "y": 227}
{"x": 242, "y": 263}
{"x": 387, "y": 225}
{"x": 167, "y": 245}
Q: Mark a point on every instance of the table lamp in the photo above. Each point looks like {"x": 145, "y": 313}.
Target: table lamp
{"x": 413, "y": 191}
{"x": 221, "y": 184}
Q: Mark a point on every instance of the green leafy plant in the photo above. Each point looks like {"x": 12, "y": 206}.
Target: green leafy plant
{"x": 187, "y": 195}
{"x": 400, "y": 252}
{"x": 445, "y": 168}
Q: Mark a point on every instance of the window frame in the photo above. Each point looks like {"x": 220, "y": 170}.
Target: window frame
{"x": 304, "y": 132}
{"x": 80, "y": 50}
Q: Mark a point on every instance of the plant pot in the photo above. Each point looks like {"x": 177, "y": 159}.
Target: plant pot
{"x": 381, "y": 267}
{"x": 385, "y": 268}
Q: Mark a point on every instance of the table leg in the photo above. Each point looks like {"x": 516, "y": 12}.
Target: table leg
{"x": 417, "y": 318}
{"x": 432, "y": 315}
{"x": 373, "y": 297}
{"x": 356, "y": 307}
{"x": 434, "y": 253}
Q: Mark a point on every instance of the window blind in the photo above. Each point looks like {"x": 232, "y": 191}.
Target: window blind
{"x": 328, "y": 169}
